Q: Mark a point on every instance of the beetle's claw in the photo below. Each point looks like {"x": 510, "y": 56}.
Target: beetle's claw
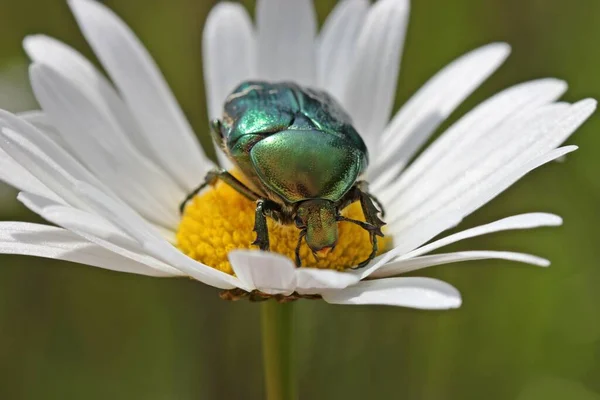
{"x": 373, "y": 252}
{"x": 261, "y": 243}
{"x": 262, "y": 240}
{"x": 376, "y": 230}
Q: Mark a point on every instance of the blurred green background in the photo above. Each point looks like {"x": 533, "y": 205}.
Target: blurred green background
{"x": 73, "y": 332}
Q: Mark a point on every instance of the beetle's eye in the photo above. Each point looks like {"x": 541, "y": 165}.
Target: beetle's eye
{"x": 299, "y": 222}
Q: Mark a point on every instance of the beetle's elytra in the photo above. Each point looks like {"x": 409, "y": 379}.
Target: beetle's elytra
{"x": 301, "y": 158}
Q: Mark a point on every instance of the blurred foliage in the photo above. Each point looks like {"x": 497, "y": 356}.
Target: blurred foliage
{"x": 73, "y": 332}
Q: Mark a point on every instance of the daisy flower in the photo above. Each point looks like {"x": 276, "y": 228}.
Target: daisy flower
{"x": 107, "y": 163}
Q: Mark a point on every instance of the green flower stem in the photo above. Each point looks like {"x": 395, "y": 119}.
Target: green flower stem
{"x": 278, "y": 350}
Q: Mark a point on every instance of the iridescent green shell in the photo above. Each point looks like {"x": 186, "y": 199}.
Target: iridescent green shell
{"x": 292, "y": 141}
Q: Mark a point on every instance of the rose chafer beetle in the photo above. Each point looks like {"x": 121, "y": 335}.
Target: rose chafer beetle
{"x": 301, "y": 158}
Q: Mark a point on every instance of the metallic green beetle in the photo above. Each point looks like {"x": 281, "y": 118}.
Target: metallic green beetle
{"x": 301, "y": 158}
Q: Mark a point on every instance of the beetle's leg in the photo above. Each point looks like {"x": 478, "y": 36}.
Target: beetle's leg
{"x": 362, "y": 190}
{"x": 370, "y": 212}
{"x": 264, "y": 209}
{"x": 373, "y": 224}
{"x": 359, "y": 193}
{"x": 238, "y": 186}
{"x": 212, "y": 177}
{"x": 373, "y": 230}
{"x": 260, "y": 226}
{"x": 216, "y": 132}
{"x": 373, "y": 251}
{"x": 209, "y": 179}
{"x": 365, "y": 225}
{"x": 300, "y": 237}
{"x": 377, "y": 203}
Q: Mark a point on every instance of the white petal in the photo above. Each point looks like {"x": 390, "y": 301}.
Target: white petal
{"x": 412, "y": 237}
{"x": 162, "y": 250}
{"x": 313, "y": 280}
{"x": 15, "y": 175}
{"x": 97, "y": 140}
{"x": 73, "y": 66}
{"x": 481, "y": 160}
{"x": 153, "y": 243}
{"x": 40, "y": 120}
{"x": 50, "y": 164}
{"x": 488, "y": 161}
{"x": 56, "y": 243}
{"x": 413, "y": 264}
{"x": 433, "y": 103}
{"x": 523, "y": 221}
{"x": 44, "y": 145}
{"x": 422, "y": 293}
{"x": 491, "y": 190}
{"x": 508, "y": 148}
{"x": 168, "y": 234}
{"x": 96, "y": 230}
{"x": 228, "y": 53}
{"x": 144, "y": 90}
{"x": 443, "y": 219}
{"x": 286, "y": 40}
{"x": 75, "y": 220}
{"x": 475, "y": 124}
{"x": 371, "y": 87}
{"x": 268, "y": 272}
{"x": 336, "y": 45}
{"x": 37, "y": 118}
{"x": 55, "y": 169}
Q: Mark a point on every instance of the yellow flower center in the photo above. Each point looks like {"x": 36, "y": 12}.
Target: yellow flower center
{"x": 221, "y": 220}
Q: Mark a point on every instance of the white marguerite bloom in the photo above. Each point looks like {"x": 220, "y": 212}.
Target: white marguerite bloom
{"x": 109, "y": 165}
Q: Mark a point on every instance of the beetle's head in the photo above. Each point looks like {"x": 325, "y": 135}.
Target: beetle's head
{"x": 317, "y": 218}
